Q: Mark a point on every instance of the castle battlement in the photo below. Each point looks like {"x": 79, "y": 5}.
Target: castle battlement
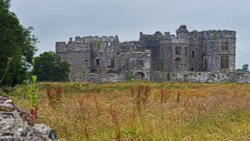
{"x": 219, "y": 34}
{"x": 88, "y": 39}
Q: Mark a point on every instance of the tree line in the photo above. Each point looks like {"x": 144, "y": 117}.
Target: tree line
{"x": 17, "y": 50}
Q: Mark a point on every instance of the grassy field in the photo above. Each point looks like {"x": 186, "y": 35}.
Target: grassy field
{"x": 143, "y": 111}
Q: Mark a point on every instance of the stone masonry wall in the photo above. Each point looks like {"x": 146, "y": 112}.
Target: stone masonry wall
{"x": 204, "y": 77}
{"x": 159, "y": 76}
{"x": 100, "y": 77}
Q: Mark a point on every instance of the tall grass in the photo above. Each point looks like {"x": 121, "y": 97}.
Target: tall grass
{"x": 146, "y": 111}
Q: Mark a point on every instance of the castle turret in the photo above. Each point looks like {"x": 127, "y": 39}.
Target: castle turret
{"x": 182, "y": 32}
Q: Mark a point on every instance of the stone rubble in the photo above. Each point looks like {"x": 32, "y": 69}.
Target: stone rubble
{"x": 15, "y": 127}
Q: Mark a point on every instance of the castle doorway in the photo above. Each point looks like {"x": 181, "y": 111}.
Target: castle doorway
{"x": 139, "y": 75}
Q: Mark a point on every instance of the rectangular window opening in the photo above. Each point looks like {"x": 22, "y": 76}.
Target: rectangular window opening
{"x": 224, "y": 44}
{"x": 193, "y": 54}
{"x": 109, "y": 44}
{"x": 177, "y": 50}
{"x": 224, "y": 61}
{"x": 97, "y": 62}
{"x": 186, "y": 51}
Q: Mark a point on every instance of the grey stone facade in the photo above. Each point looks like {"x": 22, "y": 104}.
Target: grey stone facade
{"x": 211, "y": 51}
{"x": 205, "y": 51}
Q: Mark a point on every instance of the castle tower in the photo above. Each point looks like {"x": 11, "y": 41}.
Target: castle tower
{"x": 219, "y": 50}
{"x": 182, "y": 32}
{"x": 161, "y": 51}
{"x": 77, "y": 53}
{"x": 181, "y": 47}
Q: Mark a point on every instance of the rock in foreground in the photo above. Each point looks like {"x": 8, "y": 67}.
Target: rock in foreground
{"x": 13, "y": 127}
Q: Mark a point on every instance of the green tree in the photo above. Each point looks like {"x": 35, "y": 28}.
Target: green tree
{"x": 48, "y": 66}
{"x": 17, "y": 47}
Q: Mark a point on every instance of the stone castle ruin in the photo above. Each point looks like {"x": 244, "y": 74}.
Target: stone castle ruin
{"x": 107, "y": 59}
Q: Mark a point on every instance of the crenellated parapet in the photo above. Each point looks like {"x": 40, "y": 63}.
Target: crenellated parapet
{"x": 157, "y": 36}
{"x": 218, "y": 34}
{"x": 89, "y": 39}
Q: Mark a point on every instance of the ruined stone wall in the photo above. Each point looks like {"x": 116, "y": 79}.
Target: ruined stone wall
{"x": 139, "y": 64}
{"x": 101, "y": 77}
{"x": 166, "y": 55}
{"x": 89, "y": 54}
{"x": 80, "y": 63}
{"x": 241, "y": 77}
{"x": 203, "y": 77}
{"x": 77, "y": 54}
{"x": 152, "y": 42}
{"x": 161, "y": 51}
{"x": 124, "y": 53}
{"x": 104, "y": 52}
{"x": 159, "y": 76}
{"x": 196, "y": 52}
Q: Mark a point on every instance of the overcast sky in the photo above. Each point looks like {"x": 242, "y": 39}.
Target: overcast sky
{"x": 57, "y": 20}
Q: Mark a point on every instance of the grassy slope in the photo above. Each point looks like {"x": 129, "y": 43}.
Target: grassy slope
{"x": 171, "y": 111}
